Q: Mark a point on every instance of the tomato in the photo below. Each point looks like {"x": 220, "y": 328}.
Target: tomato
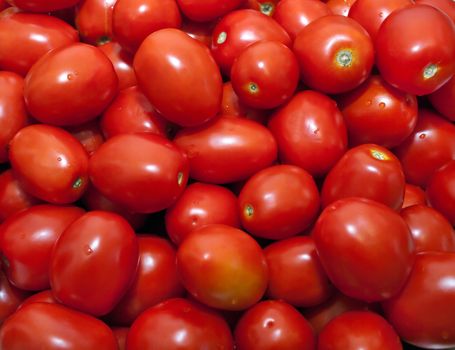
{"x": 10, "y": 298}
{"x": 42, "y": 5}
{"x": 358, "y": 330}
{"x": 179, "y": 324}
{"x": 121, "y": 334}
{"x": 418, "y": 61}
{"x": 358, "y": 229}
{"x": 49, "y": 163}
{"x": 413, "y": 195}
{"x": 279, "y": 202}
{"x": 93, "y": 262}
{"x": 65, "y": 73}
{"x": 134, "y": 20}
{"x": 274, "y": 325}
{"x": 423, "y": 313}
{"x": 147, "y": 172}
{"x": 44, "y": 296}
{"x": 199, "y": 205}
{"x": 179, "y": 77}
{"x": 89, "y": 135}
{"x": 13, "y": 115}
{"x": 443, "y": 99}
{"x": 445, "y": 6}
{"x": 207, "y": 10}
{"x": 222, "y": 267}
{"x": 341, "y": 55}
{"x": 54, "y": 327}
{"x": 239, "y": 29}
{"x": 267, "y": 7}
{"x": 265, "y": 75}
{"x": 340, "y": 7}
{"x": 376, "y": 112}
{"x": 430, "y": 146}
{"x": 199, "y": 31}
{"x": 310, "y": 132}
{"x": 296, "y": 275}
{"x": 94, "y": 20}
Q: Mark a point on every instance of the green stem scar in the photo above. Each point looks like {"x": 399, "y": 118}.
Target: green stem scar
{"x": 344, "y": 58}
{"x": 78, "y": 183}
{"x": 180, "y": 178}
{"x": 221, "y": 38}
{"x": 249, "y": 210}
{"x": 267, "y": 8}
{"x": 430, "y": 71}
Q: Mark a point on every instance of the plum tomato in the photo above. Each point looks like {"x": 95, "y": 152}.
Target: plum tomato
{"x": 88, "y": 134}
{"x": 93, "y": 20}
{"x": 42, "y": 5}
{"x": 207, "y": 10}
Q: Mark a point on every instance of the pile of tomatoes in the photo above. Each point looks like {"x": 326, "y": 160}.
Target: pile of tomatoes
{"x": 227, "y": 174}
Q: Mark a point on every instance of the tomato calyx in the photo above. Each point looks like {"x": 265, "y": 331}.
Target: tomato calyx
{"x": 248, "y": 211}
{"x": 430, "y": 71}
{"x": 78, "y": 183}
{"x": 221, "y": 38}
{"x": 252, "y": 88}
{"x": 103, "y": 40}
{"x": 344, "y": 58}
{"x": 267, "y": 8}
{"x": 180, "y": 178}
{"x": 378, "y": 155}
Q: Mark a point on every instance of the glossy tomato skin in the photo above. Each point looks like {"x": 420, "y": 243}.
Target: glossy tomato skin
{"x": 37, "y": 34}
{"x": 445, "y": 6}
{"x": 44, "y": 296}
{"x": 48, "y": 326}
{"x": 354, "y": 230}
{"x": 222, "y": 267}
{"x": 42, "y": 5}
{"x": 207, "y": 10}
{"x": 64, "y": 73}
{"x": 271, "y": 325}
{"x": 279, "y": 202}
{"x": 376, "y": 112}
{"x": 418, "y": 61}
{"x": 413, "y": 195}
{"x": 428, "y": 294}
{"x": 10, "y": 298}
{"x": 93, "y": 262}
{"x": 304, "y": 283}
{"x": 161, "y": 326}
{"x": 27, "y": 239}
{"x": 147, "y": 172}
{"x": 227, "y": 149}
{"x": 179, "y": 77}
{"x": 94, "y": 20}
{"x": 310, "y": 132}
{"x": 49, "y": 163}
{"x": 89, "y": 135}
{"x": 341, "y": 55}
{"x": 443, "y": 99}
{"x": 199, "y": 31}
{"x": 340, "y": 7}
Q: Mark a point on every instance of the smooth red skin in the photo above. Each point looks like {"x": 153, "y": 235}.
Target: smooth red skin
{"x": 10, "y": 298}
{"x": 37, "y": 34}
{"x": 359, "y": 173}
{"x": 42, "y": 5}
{"x": 427, "y": 295}
{"x": 131, "y": 112}
{"x": 284, "y": 200}
{"x": 89, "y": 135}
{"x": 94, "y": 262}
{"x": 376, "y": 112}
{"x": 434, "y": 133}
{"x": 207, "y": 10}
{"x": 122, "y": 62}
{"x": 294, "y": 15}
{"x": 327, "y": 36}
{"x": 243, "y": 28}
{"x": 48, "y": 326}
{"x": 365, "y": 247}
{"x": 227, "y": 149}
{"x": 147, "y": 172}
{"x": 413, "y": 195}
{"x": 156, "y": 280}
{"x": 340, "y": 7}
{"x": 441, "y": 191}
{"x": 273, "y": 325}
{"x": 272, "y": 67}
{"x": 65, "y": 73}
{"x": 222, "y": 267}
{"x": 49, "y": 163}
{"x": 94, "y": 20}
{"x": 304, "y": 283}
{"x": 310, "y": 132}
{"x": 3, "y": 5}
{"x": 359, "y": 330}
{"x": 179, "y": 77}
{"x": 121, "y": 334}
{"x": 446, "y": 6}
{"x": 443, "y": 99}
{"x": 13, "y": 115}
{"x": 401, "y": 59}
{"x": 199, "y": 31}
{"x": 27, "y": 239}
{"x": 44, "y": 296}
{"x": 160, "y": 327}
{"x": 199, "y": 205}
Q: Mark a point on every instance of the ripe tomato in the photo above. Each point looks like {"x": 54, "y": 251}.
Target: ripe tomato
{"x": 94, "y": 20}
{"x": 10, "y": 298}
{"x": 204, "y": 11}
{"x": 446, "y": 6}
{"x": 340, "y": 7}
{"x": 199, "y": 31}
{"x": 42, "y": 5}
{"x": 443, "y": 99}
{"x": 413, "y": 195}
{"x": 44, "y": 296}
{"x": 89, "y": 135}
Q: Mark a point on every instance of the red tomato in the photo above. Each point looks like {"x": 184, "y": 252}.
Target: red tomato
{"x": 413, "y": 195}
{"x": 54, "y": 327}
{"x": 418, "y": 61}
{"x": 50, "y": 163}
{"x": 443, "y": 99}
{"x": 121, "y": 334}
{"x": 199, "y": 31}
{"x": 54, "y": 82}
{"x": 423, "y": 313}
{"x": 296, "y": 275}
{"x": 227, "y": 149}
{"x": 147, "y": 172}
{"x": 94, "y": 20}
{"x": 265, "y": 74}
{"x": 341, "y": 55}
{"x": 179, "y": 324}
{"x": 10, "y": 298}
{"x": 44, "y": 296}
{"x": 376, "y": 112}
{"x": 358, "y": 229}
{"x": 222, "y": 267}
{"x": 179, "y": 77}
{"x": 89, "y": 135}
{"x": 42, "y": 5}
{"x": 356, "y": 330}
{"x": 279, "y": 202}
{"x": 199, "y": 205}
{"x": 94, "y": 262}
{"x": 134, "y": 20}
{"x": 446, "y": 6}
{"x": 37, "y": 34}
{"x": 340, "y": 7}
{"x": 207, "y": 10}
{"x": 310, "y": 132}
{"x": 267, "y": 7}
{"x": 274, "y": 325}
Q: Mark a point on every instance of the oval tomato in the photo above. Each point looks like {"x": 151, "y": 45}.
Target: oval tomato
{"x": 44, "y": 296}
{"x": 204, "y": 11}
{"x": 89, "y": 135}
{"x": 42, "y": 5}
{"x": 94, "y": 20}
